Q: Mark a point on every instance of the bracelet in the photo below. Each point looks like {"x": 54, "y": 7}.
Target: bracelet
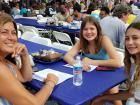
{"x": 51, "y": 81}
{"x": 50, "y": 84}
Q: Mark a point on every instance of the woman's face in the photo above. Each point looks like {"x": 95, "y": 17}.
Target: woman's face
{"x": 89, "y": 32}
{"x": 132, "y": 41}
{"x": 8, "y": 38}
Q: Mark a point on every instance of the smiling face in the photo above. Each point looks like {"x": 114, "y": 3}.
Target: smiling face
{"x": 132, "y": 41}
{"x": 89, "y": 32}
{"x": 8, "y": 38}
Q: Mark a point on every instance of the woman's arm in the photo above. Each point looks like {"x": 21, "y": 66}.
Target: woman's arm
{"x": 115, "y": 60}
{"x": 12, "y": 90}
{"x": 26, "y": 69}
{"x": 69, "y": 56}
{"x": 111, "y": 97}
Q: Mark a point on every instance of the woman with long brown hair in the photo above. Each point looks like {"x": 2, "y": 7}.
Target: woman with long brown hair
{"x": 96, "y": 49}
{"x": 132, "y": 68}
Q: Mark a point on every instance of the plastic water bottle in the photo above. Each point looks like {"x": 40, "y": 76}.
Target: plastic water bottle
{"x": 77, "y": 72}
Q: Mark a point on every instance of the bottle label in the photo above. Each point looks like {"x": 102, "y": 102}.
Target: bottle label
{"x": 78, "y": 68}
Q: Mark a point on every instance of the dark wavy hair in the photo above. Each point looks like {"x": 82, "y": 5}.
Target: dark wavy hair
{"x": 121, "y": 9}
{"x": 5, "y": 7}
{"x": 128, "y": 62}
{"x": 83, "y": 41}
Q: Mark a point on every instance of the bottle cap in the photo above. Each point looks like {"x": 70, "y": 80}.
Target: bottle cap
{"x": 78, "y": 57}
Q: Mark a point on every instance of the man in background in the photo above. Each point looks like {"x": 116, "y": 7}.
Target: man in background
{"x": 114, "y": 26}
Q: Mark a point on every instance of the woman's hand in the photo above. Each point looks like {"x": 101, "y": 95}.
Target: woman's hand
{"x": 20, "y": 49}
{"x": 52, "y": 77}
{"x": 86, "y": 63}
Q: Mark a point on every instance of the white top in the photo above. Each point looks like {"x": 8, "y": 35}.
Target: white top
{"x": 137, "y": 86}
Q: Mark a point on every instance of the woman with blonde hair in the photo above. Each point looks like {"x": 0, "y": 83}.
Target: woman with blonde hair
{"x": 12, "y": 92}
{"x": 132, "y": 68}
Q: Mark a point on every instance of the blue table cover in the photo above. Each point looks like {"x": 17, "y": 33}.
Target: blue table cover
{"x": 30, "y": 22}
{"x": 33, "y": 22}
{"x": 94, "y": 83}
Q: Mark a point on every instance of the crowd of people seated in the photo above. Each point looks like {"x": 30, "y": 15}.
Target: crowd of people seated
{"x": 117, "y": 13}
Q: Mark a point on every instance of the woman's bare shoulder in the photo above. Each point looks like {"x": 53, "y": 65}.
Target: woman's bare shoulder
{"x": 105, "y": 40}
{"x": 104, "y": 37}
{"x": 2, "y": 66}
{"x": 4, "y": 75}
{"x": 4, "y": 71}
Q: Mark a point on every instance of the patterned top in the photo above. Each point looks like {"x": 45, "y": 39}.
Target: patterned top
{"x": 136, "y": 91}
{"x": 3, "y": 101}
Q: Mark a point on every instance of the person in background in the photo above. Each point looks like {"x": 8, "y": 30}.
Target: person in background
{"x": 69, "y": 7}
{"x": 62, "y": 15}
{"x": 132, "y": 68}
{"x": 96, "y": 49}
{"x": 51, "y": 8}
{"x": 114, "y": 26}
{"x": 15, "y": 10}
{"x": 95, "y": 12}
{"x": 23, "y": 10}
{"x": 77, "y": 15}
{"x": 104, "y": 11}
{"x": 91, "y": 7}
{"x": 83, "y": 5}
{"x": 42, "y": 8}
{"x": 5, "y": 8}
{"x": 131, "y": 16}
{"x": 110, "y": 4}
{"x": 12, "y": 92}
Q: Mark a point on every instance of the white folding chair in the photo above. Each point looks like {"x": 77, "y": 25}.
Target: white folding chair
{"x": 41, "y": 40}
{"x": 19, "y": 33}
{"x": 60, "y": 36}
{"x": 76, "y": 39}
{"x": 42, "y": 31}
{"x": 61, "y": 46}
{"x": 27, "y": 35}
{"x": 29, "y": 28}
{"x": 19, "y": 25}
{"x": 18, "y": 29}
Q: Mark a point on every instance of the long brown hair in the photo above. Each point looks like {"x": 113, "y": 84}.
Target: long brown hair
{"x": 83, "y": 41}
{"x": 128, "y": 61}
{"x": 5, "y": 18}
